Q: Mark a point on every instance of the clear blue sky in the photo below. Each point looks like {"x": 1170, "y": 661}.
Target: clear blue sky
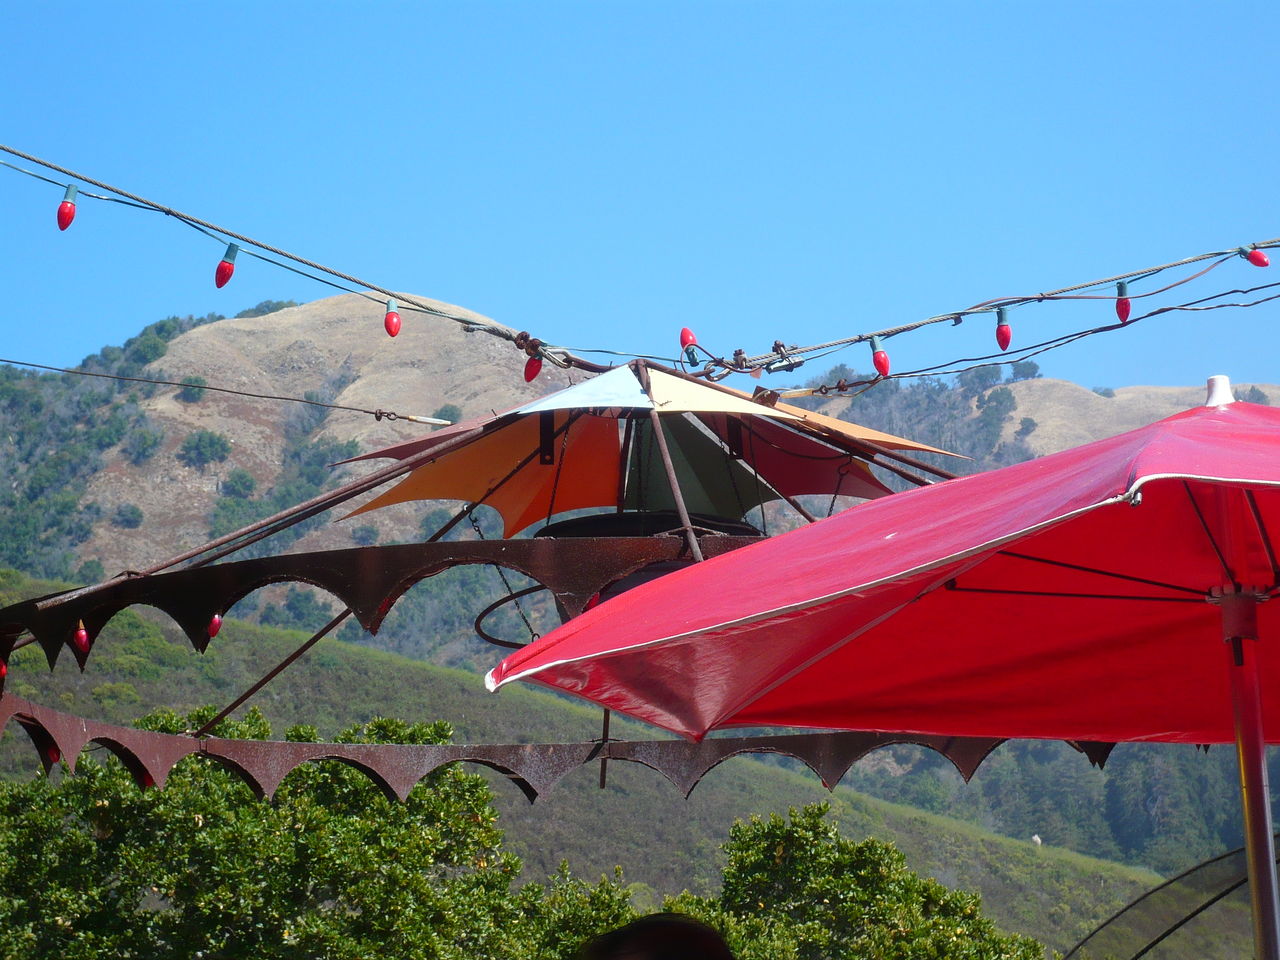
{"x": 602, "y": 174}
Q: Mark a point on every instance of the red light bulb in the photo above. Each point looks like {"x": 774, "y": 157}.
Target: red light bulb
{"x": 215, "y": 624}
{"x": 226, "y": 266}
{"x": 687, "y": 342}
{"x": 67, "y": 208}
{"x": 82, "y": 638}
{"x": 1123, "y": 304}
{"x": 54, "y": 754}
{"x": 392, "y": 320}
{"x": 148, "y": 781}
{"x": 1004, "y": 332}
{"x": 4, "y": 669}
{"x": 1258, "y": 258}
{"x": 879, "y": 357}
{"x": 532, "y": 367}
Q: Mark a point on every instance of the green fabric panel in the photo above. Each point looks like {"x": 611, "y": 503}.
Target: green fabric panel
{"x": 712, "y": 483}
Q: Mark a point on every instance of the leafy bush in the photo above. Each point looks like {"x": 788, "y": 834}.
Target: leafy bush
{"x": 365, "y": 536}
{"x": 796, "y": 888}
{"x": 1104, "y": 392}
{"x": 92, "y": 866}
{"x": 450, "y": 411}
{"x": 266, "y": 307}
{"x": 1253, "y": 395}
{"x": 203, "y": 447}
{"x": 145, "y": 348}
{"x": 192, "y": 392}
{"x": 141, "y": 445}
{"x": 239, "y": 483}
{"x": 128, "y": 516}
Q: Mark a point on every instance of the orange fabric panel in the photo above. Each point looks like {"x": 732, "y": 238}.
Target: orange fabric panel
{"x": 584, "y": 474}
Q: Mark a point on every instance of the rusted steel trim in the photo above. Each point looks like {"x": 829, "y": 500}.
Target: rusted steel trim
{"x": 536, "y": 768}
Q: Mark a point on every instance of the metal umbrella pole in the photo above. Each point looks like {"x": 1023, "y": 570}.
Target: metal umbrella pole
{"x": 1240, "y": 630}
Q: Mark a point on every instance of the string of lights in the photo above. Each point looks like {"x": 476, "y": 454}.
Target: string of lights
{"x": 376, "y": 414}
{"x": 787, "y": 358}
{"x": 781, "y": 359}
{"x": 225, "y": 269}
{"x": 1022, "y": 354}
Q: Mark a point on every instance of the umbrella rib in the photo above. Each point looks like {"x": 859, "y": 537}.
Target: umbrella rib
{"x": 956, "y": 588}
{"x": 1101, "y": 573}
{"x": 1264, "y": 535}
{"x": 1221, "y": 895}
{"x": 1204, "y": 524}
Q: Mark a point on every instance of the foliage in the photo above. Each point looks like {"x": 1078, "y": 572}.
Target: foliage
{"x": 141, "y": 445}
{"x": 301, "y": 609}
{"x": 666, "y": 842}
{"x": 1252, "y": 394}
{"x": 94, "y": 867}
{"x": 305, "y": 473}
{"x": 1107, "y": 392}
{"x": 266, "y": 307}
{"x": 203, "y": 447}
{"x": 968, "y": 415}
{"x": 239, "y": 483}
{"x": 192, "y": 392}
{"x": 450, "y": 411}
{"x": 810, "y": 894}
{"x": 364, "y": 536}
{"x": 1024, "y": 370}
{"x": 127, "y": 516}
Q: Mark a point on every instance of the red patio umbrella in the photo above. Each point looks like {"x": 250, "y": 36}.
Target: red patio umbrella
{"x": 1081, "y": 596}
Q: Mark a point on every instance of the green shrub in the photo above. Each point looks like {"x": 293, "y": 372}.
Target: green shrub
{"x": 203, "y": 447}
{"x": 192, "y": 392}
{"x": 128, "y": 516}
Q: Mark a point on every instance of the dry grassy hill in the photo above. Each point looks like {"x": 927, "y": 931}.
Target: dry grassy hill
{"x": 337, "y": 346}
{"x": 315, "y": 346}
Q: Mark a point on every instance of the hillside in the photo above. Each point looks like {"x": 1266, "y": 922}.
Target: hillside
{"x": 663, "y": 841}
{"x": 102, "y": 486}
{"x": 334, "y": 349}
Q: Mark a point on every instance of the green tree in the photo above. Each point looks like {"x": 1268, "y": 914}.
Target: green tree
{"x": 141, "y": 445}
{"x": 203, "y": 447}
{"x": 91, "y": 866}
{"x": 192, "y": 392}
{"x": 1252, "y": 394}
{"x": 240, "y": 484}
{"x": 128, "y": 516}
{"x": 266, "y": 307}
{"x": 450, "y": 411}
{"x": 795, "y": 888}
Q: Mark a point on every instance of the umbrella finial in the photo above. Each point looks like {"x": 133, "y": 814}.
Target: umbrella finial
{"x": 1219, "y": 391}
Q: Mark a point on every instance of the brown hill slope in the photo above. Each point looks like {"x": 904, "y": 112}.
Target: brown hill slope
{"x": 335, "y": 345}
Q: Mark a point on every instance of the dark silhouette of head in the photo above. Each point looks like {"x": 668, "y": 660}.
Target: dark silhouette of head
{"x": 659, "y": 936}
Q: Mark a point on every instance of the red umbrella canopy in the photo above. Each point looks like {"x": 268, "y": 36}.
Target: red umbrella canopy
{"x": 1069, "y": 597}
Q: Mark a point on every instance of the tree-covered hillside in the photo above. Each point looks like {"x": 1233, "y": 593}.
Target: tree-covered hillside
{"x": 1164, "y": 807}
{"x": 664, "y": 842}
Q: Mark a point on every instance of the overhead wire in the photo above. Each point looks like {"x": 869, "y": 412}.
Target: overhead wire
{"x": 782, "y": 358}
{"x": 747, "y": 363}
{"x": 1022, "y": 354}
{"x": 376, "y": 414}
{"x": 557, "y": 355}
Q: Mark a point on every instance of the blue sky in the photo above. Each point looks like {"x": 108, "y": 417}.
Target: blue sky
{"x": 602, "y": 174}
